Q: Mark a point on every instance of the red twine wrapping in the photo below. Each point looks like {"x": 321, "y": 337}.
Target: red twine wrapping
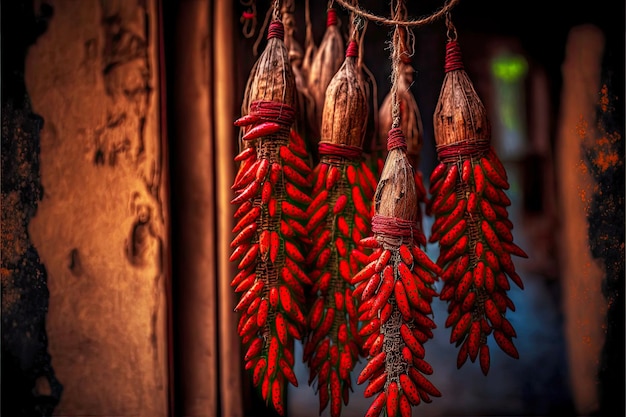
{"x": 344, "y": 151}
{"x": 276, "y": 30}
{"x": 394, "y": 226}
{"x": 273, "y": 111}
{"x": 331, "y": 17}
{"x": 352, "y": 50}
{"x": 453, "y": 57}
{"x": 396, "y": 139}
{"x": 463, "y": 150}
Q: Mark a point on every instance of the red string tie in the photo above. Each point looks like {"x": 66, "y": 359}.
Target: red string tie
{"x": 276, "y": 30}
{"x": 344, "y": 151}
{"x": 396, "y": 139}
{"x": 331, "y": 17}
{"x": 352, "y": 50}
{"x": 463, "y": 150}
{"x": 453, "y": 57}
{"x": 273, "y": 111}
{"x": 394, "y": 226}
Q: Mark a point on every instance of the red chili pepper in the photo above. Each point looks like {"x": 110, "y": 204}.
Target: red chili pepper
{"x": 372, "y": 366}
{"x": 261, "y": 130}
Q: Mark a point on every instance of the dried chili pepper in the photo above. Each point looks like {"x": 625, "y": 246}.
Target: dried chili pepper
{"x": 271, "y": 203}
{"x": 471, "y": 224}
{"x": 332, "y": 346}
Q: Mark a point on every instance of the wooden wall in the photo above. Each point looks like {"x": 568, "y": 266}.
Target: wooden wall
{"x": 101, "y": 226}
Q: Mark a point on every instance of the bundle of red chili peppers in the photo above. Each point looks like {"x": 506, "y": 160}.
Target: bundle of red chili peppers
{"x": 471, "y": 223}
{"x": 339, "y": 217}
{"x": 397, "y": 289}
{"x": 269, "y": 234}
{"x": 332, "y": 256}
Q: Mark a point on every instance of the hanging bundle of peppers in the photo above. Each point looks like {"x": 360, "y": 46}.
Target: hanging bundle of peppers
{"x": 338, "y": 217}
{"x": 396, "y": 286}
{"x": 471, "y": 225}
{"x": 271, "y": 196}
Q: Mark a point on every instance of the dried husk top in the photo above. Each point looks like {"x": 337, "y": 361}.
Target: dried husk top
{"x": 272, "y": 76}
{"x": 344, "y": 118}
{"x": 460, "y": 115}
{"x": 296, "y": 55}
{"x": 410, "y": 116}
{"x": 328, "y": 58}
{"x": 395, "y": 195}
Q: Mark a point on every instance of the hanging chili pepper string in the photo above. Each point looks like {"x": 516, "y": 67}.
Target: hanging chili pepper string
{"x": 269, "y": 237}
{"x": 471, "y": 220}
{"x": 338, "y": 217}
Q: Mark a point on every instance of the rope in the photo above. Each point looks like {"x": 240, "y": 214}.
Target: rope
{"x": 396, "y": 139}
{"x": 399, "y": 22}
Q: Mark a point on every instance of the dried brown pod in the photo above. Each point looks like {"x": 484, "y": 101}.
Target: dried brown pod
{"x": 272, "y": 78}
{"x": 345, "y": 106}
{"x": 395, "y": 195}
{"x": 460, "y": 115}
{"x": 328, "y": 58}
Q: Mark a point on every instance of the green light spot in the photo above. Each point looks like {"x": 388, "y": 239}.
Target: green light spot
{"x": 509, "y": 68}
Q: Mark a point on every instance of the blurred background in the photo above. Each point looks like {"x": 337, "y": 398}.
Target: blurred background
{"x": 117, "y": 161}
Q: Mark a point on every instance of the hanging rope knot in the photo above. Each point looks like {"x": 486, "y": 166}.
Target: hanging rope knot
{"x": 276, "y": 30}
{"x": 331, "y": 17}
{"x": 394, "y": 226}
{"x": 247, "y": 15}
{"x": 273, "y": 111}
{"x": 352, "y": 50}
{"x": 453, "y": 56}
{"x": 396, "y": 139}
{"x": 335, "y": 149}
